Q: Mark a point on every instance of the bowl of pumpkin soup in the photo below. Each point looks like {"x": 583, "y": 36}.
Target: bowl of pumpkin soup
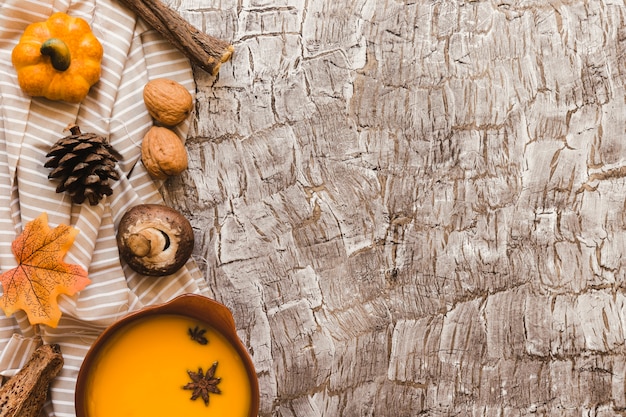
{"x": 182, "y": 357}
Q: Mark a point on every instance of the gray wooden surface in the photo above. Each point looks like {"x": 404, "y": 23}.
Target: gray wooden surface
{"x": 417, "y": 207}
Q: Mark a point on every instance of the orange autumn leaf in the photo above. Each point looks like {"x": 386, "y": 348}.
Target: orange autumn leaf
{"x": 41, "y": 276}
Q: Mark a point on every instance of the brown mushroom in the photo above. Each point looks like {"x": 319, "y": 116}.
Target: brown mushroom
{"x": 154, "y": 240}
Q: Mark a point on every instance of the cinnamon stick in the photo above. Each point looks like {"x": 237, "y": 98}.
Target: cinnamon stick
{"x": 25, "y": 393}
{"x": 203, "y": 50}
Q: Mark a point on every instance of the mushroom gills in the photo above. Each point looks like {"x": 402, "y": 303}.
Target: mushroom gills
{"x": 148, "y": 242}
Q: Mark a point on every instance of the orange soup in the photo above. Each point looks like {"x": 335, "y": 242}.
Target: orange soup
{"x": 142, "y": 370}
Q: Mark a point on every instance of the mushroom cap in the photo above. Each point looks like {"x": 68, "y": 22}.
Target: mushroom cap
{"x": 154, "y": 239}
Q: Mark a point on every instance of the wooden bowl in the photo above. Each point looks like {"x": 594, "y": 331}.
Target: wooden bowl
{"x": 127, "y": 369}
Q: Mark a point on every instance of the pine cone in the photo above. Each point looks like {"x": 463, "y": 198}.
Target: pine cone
{"x": 84, "y": 163}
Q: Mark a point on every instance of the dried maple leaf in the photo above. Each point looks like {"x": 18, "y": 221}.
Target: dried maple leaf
{"x": 41, "y": 276}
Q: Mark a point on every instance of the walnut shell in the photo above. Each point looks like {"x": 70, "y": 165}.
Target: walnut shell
{"x": 167, "y": 101}
{"x": 163, "y": 153}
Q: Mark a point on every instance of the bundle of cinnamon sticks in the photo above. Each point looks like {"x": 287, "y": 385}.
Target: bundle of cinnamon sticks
{"x": 205, "y": 51}
{"x": 24, "y": 394}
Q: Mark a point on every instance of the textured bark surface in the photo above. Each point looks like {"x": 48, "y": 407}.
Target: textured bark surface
{"x": 417, "y": 207}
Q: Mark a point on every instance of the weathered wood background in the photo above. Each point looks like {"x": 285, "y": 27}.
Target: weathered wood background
{"x": 417, "y": 207}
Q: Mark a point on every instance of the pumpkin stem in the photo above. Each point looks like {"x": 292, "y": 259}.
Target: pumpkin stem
{"x": 59, "y": 53}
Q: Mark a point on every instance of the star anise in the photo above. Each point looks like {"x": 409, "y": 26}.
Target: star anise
{"x": 202, "y": 384}
{"x": 197, "y": 334}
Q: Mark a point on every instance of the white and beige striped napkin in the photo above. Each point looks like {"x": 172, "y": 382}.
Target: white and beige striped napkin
{"x": 133, "y": 54}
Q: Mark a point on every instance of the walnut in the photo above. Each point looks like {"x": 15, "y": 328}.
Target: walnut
{"x": 163, "y": 153}
{"x": 167, "y": 101}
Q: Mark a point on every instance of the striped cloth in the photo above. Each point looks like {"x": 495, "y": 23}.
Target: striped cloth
{"x": 133, "y": 54}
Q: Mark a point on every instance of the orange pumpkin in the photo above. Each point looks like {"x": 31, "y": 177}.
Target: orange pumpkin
{"x": 58, "y": 59}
